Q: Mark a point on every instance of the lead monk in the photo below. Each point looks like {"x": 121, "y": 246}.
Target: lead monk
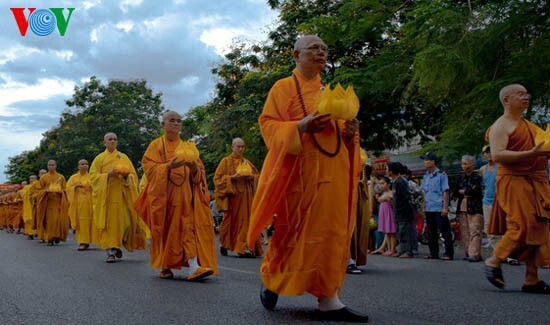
{"x": 309, "y": 180}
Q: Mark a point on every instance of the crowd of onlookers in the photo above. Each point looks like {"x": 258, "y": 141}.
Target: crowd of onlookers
{"x": 432, "y": 210}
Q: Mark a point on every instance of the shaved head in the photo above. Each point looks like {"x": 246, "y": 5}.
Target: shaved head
{"x": 302, "y": 41}
{"x": 110, "y": 134}
{"x": 509, "y": 90}
{"x": 168, "y": 114}
{"x": 236, "y": 141}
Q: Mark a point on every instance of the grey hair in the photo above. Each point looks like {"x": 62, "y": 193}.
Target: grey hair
{"x": 470, "y": 159}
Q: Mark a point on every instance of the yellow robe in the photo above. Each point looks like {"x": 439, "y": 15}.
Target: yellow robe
{"x": 52, "y": 208}
{"x": 113, "y": 199}
{"x": 313, "y": 195}
{"x": 234, "y": 199}
{"x": 175, "y": 206}
{"x": 81, "y": 209}
{"x": 28, "y": 210}
{"x": 521, "y": 210}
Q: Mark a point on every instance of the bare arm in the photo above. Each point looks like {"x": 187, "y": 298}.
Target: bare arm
{"x": 498, "y": 140}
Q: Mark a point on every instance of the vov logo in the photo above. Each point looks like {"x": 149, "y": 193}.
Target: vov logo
{"x": 42, "y": 21}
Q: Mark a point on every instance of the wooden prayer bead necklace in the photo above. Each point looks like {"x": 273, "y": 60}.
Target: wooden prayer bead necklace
{"x": 165, "y": 154}
{"x": 303, "y": 105}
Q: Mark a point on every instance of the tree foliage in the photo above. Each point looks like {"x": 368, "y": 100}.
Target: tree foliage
{"x": 127, "y": 108}
{"x": 425, "y": 71}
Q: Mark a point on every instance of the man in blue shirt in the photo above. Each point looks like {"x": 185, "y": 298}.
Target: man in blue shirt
{"x": 435, "y": 186}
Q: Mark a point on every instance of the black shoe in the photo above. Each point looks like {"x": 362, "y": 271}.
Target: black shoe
{"x": 353, "y": 269}
{"x": 30, "y": 237}
{"x": 268, "y": 298}
{"x": 345, "y": 314}
{"x": 223, "y": 251}
{"x": 118, "y": 253}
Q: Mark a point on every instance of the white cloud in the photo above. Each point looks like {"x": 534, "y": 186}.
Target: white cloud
{"x": 171, "y": 44}
{"x": 12, "y": 92}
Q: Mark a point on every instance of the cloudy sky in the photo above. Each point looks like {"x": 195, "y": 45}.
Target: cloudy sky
{"x": 172, "y": 44}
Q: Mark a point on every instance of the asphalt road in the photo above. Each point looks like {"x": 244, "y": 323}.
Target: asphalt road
{"x": 59, "y": 285}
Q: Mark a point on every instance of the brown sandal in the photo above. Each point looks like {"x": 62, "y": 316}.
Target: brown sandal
{"x": 166, "y": 274}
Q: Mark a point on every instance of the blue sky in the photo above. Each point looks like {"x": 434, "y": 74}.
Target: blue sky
{"x": 172, "y": 44}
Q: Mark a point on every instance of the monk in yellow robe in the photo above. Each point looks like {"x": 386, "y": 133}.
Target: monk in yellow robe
{"x": 52, "y": 206}
{"x": 79, "y": 193}
{"x": 35, "y": 190}
{"x": 309, "y": 180}
{"x": 114, "y": 183}
{"x": 18, "y": 222}
{"x": 175, "y": 206}
{"x": 234, "y": 194}
{"x": 28, "y": 208}
{"x": 521, "y": 210}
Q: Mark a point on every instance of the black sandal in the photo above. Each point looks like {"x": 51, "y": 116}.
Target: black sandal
{"x": 540, "y": 287}
{"x": 494, "y": 275}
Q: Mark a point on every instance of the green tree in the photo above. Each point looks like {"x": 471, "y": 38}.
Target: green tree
{"x": 127, "y": 108}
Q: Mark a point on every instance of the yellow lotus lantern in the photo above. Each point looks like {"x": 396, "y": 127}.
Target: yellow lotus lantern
{"x": 187, "y": 151}
{"x": 544, "y": 136}
{"x": 244, "y": 169}
{"x": 121, "y": 169}
{"x": 339, "y": 103}
{"x": 55, "y": 187}
{"x": 364, "y": 156}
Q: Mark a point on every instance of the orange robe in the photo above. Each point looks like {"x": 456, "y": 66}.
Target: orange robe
{"x": 313, "y": 195}
{"x": 3, "y": 209}
{"x": 234, "y": 199}
{"x": 174, "y": 204}
{"x": 521, "y": 210}
{"x": 52, "y": 207}
{"x": 13, "y": 211}
{"x": 28, "y": 210}
{"x": 360, "y": 238}
{"x": 113, "y": 199}
{"x": 81, "y": 209}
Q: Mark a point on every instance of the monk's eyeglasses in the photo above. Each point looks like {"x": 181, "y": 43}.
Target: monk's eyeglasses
{"x": 523, "y": 95}
{"x": 316, "y": 48}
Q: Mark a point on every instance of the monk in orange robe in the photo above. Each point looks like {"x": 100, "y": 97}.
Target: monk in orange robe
{"x": 234, "y": 194}
{"x": 309, "y": 180}
{"x": 79, "y": 193}
{"x": 12, "y": 214}
{"x": 521, "y": 210}
{"x": 114, "y": 183}
{"x": 52, "y": 206}
{"x": 174, "y": 204}
{"x": 3, "y": 206}
{"x": 28, "y": 208}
